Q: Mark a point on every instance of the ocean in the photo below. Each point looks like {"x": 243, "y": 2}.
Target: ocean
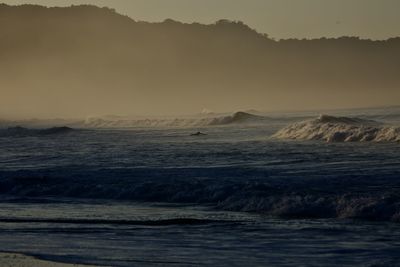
{"x": 237, "y": 196}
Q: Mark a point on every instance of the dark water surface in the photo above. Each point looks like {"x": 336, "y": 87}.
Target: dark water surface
{"x": 234, "y": 197}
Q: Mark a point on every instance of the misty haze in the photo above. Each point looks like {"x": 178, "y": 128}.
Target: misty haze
{"x": 199, "y": 133}
{"x": 84, "y": 60}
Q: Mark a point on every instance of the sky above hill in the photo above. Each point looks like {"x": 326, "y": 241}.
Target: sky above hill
{"x": 373, "y": 19}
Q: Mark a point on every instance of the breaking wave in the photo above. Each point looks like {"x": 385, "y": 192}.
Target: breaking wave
{"x": 340, "y": 129}
{"x": 350, "y": 197}
{"x": 120, "y": 122}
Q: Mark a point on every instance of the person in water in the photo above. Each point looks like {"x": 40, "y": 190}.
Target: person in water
{"x": 198, "y": 134}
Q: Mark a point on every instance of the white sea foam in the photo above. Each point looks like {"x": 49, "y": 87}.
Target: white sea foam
{"x": 214, "y": 120}
{"x": 340, "y": 129}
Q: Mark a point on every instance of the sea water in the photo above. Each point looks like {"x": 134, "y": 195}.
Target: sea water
{"x": 233, "y": 197}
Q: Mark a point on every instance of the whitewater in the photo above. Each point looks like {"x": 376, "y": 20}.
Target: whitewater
{"x": 340, "y": 129}
{"x": 255, "y": 190}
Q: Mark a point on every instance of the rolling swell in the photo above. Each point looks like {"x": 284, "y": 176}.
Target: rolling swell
{"x": 19, "y": 131}
{"x": 351, "y": 196}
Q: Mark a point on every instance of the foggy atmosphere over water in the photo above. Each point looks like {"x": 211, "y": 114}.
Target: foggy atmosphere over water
{"x": 199, "y": 133}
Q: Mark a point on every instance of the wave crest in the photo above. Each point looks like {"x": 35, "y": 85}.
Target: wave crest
{"x": 120, "y": 122}
{"x": 340, "y": 129}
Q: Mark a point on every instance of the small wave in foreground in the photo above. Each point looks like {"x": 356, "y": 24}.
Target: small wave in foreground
{"x": 166, "y": 222}
{"x": 301, "y": 199}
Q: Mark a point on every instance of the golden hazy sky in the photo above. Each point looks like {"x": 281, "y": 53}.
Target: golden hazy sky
{"x": 375, "y": 19}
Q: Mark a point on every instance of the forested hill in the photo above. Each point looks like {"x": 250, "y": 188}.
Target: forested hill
{"x": 78, "y": 52}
